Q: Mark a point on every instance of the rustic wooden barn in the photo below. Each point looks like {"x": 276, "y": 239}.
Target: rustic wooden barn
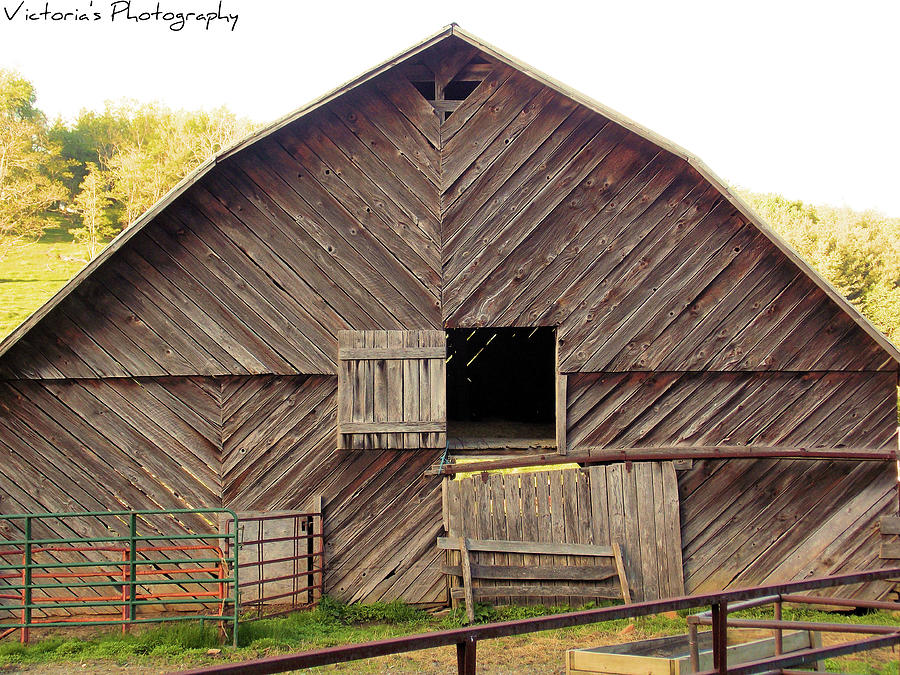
{"x": 279, "y": 327}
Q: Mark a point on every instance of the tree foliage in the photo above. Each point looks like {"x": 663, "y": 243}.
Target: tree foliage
{"x": 92, "y": 205}
{"x": 143, "y": 150}
{"x": 857, "y": 251}
{"x": 30, "y": 165}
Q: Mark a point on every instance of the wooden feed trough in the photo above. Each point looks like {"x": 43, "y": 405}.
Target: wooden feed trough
{"x": 671, "y": 655}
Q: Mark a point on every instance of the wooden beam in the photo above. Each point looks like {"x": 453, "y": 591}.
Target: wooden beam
{"x": 524, "y": 591}
{"x": 666, "y": 453}
{"x": 445, "y": 106}
{"x": 391, "y": 353}
{"x": 890, "y": 525}
{"x": 467, "y": 578}
{"x": 525, "y": 572}
{"x": 501, "y": 546}
{"x": 890, "y": 551}
{"x": 388, "y": 427}
{"x": 561, "y": 417}
{"x": 620, "y": 567}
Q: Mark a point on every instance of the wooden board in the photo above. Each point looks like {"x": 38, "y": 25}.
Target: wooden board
{"x": 578, "y": 516}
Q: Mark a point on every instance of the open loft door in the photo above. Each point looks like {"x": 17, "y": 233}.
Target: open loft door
{"x": 501, "y": 391}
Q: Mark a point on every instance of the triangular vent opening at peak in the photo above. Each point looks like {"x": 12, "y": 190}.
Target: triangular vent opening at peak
{"x": 445, "y": 100}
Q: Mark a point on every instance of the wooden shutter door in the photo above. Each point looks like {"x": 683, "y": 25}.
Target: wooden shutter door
{"x": 392, "y": 389}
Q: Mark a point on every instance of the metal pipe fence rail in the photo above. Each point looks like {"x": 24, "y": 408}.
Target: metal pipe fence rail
{"x": 120, "y": 572}
{"x": 778, "y": 625}
{"x": 466, "y": 639}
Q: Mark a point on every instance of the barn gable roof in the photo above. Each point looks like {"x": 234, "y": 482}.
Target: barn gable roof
{"x": 447, "y": 33}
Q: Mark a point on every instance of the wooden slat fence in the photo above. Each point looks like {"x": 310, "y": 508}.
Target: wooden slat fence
{"x": 554, "y": 580}
{"x": 634, "y": 506}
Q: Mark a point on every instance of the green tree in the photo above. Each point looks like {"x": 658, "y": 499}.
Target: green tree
{"x": 145, "y": 149}
{"x": 92, "y": 203}
{"x": 857, "y": 251}
{"x": 30, "y": 166}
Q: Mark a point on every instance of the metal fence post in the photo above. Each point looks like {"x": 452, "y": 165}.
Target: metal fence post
{"x": 719, "y": 636}
{"x": 26, "y": 611}
{"x": 237, "y": 590}
{"x": 319, "y": 539}
{"x": 132, "y": 565}
{"x": 779, "y": 646}
{"x": 465, "y": 656}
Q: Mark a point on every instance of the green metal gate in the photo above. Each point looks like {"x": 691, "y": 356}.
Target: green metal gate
{"x": 135, "y": 566}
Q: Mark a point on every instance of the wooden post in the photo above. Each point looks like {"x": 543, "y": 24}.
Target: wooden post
{"x": 465, "y": 656}
{"x": 319, "y": 539}
{"x": 720, "y": 638}
{"x": 445, "y": 504}
{"x": 467, "y": 578}
{"x": 561, "y": 383}
{"x": 620, "y": 568}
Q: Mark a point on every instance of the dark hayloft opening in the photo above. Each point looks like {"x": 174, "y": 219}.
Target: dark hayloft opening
{"x": 502, "y": 379}
{"x": 426, "y": 89}
{"x": 459, "y": 91}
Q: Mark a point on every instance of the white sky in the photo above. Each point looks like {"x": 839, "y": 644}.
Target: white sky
{"x": 801, "y": 98}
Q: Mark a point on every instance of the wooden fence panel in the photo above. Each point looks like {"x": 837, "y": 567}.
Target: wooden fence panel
{"x": 635, "y": 506}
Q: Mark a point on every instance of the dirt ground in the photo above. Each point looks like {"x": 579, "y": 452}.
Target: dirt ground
{"x": 539, "y": 654}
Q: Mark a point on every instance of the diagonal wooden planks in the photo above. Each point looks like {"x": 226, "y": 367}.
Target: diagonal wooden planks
{"x": 383, "y": 516}
{"x": 554, "y": 216}
{"x": 665, "y": 409}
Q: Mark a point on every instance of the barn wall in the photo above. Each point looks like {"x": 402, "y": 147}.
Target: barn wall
{"x": 749, "y": 522}
{"x": 641, "y": 264}
{"x": 522, "y": 209}
{"x": 815, "y": 409}
{"x": 746, "y": 522}
{"x": 196, "y": 365}
{"x": 110, "y": 444}
{"x": 267, "y": 443}
{"x": 382, "y": 514}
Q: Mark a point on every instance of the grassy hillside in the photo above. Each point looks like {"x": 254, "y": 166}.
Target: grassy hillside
{"x": 30, "y": 275}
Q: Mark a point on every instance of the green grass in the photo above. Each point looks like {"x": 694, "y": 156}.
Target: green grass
{"x": 182, "y": 639}
{"x": 33, "y": 273}
{"x": 332, "y": 624}
{"x": 335, "y": 623}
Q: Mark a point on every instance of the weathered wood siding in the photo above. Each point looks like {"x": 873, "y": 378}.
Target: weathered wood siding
{"x": 197, "y": 364}
{"x": 246, "y": 443}
{"x": 552, "y": 215}
{"x": 382, "y": 514}
{"x": 327, "y": 226}
{"x": 91, "y": 445}
{"x": 635, "y": 507}
{"x": 813, "y": 409}
{"x": 522, "y": 208}
{"x": 748, "y": 522}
